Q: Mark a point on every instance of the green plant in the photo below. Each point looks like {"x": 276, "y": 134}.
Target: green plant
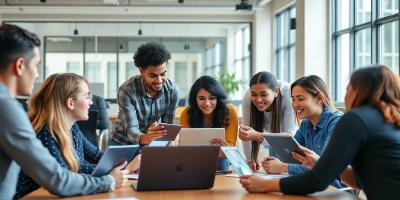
{"x": 229, "y": 82}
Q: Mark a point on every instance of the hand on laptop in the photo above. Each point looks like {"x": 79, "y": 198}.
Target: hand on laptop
{"x": 246, "y": 133}
{"x": 253, "y": 165}
{"x": 154, "y": 132}
{"x": 308, "y": 159}
{"x": 274, "y": 165}
{"x": 219, "y": 142}
{"x": 119, "y": 173}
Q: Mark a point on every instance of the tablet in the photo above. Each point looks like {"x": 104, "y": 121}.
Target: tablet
{"x": 172, "y": 131}
{"x": 114, "y": 156}
{"x": 237, "y": 161}
{"x": 283, "y": 144}
{"x": 200, "y": 136}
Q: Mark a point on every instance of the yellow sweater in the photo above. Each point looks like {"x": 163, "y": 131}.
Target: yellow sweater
{"x": 231, "y": 131}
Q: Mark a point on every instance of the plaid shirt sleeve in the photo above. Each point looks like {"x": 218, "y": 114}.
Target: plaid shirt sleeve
{"x": 127, "y": 113}
{"x": 169, "y": 116}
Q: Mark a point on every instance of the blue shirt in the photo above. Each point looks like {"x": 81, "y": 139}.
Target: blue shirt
{"x": 88, "y": 156}
{"x": 315, "y": 139}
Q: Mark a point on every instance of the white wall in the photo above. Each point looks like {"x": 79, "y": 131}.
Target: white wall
{"x": 312, "y": 38}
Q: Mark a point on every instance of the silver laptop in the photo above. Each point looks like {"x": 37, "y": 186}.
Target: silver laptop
{"x": 200, "y": 136}
{"x": 177, "y": 167}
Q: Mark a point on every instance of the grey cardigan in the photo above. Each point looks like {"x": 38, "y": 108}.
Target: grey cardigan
{"x": 19, "y": 148}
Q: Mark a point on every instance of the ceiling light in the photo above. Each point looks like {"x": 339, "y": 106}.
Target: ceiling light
{"x": 244, "y": 5}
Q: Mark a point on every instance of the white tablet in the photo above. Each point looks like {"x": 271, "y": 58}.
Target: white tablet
{"x": 237, "y": 161}
{"x": 114, "y": 156}
{"x": 200, "y": 136}
{"x": 283, "y": 144}
{"x": 172, "y": 131}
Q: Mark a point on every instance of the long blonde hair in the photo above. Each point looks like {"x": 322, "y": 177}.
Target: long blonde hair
{"x": 48, "y": 107}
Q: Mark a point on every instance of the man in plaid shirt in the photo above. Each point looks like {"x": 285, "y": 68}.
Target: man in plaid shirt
{"x": 146, "y": 99}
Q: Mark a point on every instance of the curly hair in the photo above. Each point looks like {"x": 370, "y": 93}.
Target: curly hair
{"x": 151, "y": 54}
{"x": 220, "y": 118}
{"x": 380, "y": 87}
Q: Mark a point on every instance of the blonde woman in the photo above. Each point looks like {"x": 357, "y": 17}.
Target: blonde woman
{"x": 62, "y": 100}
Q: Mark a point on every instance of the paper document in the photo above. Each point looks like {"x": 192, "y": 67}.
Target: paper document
{"x": 265, "y": 175}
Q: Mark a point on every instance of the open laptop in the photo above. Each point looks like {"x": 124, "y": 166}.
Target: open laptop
{"x": 200, "y": 136}
{"x": 177, "y": 167}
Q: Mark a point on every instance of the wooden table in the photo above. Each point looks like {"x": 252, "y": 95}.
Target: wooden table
{"x": 224, "y": 188}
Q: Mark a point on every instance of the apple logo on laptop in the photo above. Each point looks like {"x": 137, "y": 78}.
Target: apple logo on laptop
{"x": 179, "y": 168}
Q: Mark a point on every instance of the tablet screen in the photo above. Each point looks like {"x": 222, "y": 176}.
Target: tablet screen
{"x": 237, "y": 161}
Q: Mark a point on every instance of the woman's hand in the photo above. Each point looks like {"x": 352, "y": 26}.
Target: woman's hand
{"x": 253, "y": 183}
{"x": 216, "y": 141}
{"x": 308, "y": 159}
{"x": 134, "y": 164}
{"x": 246, "y": 133}
{"x": 274, "y": 165}
{"x": 119, "y": 173}
{"x": 253, "y": 165}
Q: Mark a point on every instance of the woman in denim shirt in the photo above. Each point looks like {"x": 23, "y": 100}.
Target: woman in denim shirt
{"x": 314, "y": 107}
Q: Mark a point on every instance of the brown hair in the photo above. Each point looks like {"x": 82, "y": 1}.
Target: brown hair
{"x": 47, "y": 107}
{"x": 380, "y": 87}
{"x": 314, "y": 85}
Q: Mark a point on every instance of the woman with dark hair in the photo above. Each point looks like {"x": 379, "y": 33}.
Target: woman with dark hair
{"x": 315, "y": 109}
{"x": 367, "y": 137}
{"x": 208, "y": 109}
{"x": 266, "y": 108}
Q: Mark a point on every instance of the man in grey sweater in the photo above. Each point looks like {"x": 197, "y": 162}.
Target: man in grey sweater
{"x": 19, "y": 147}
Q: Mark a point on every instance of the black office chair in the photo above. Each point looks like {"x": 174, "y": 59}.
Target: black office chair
{"x": 88, "y": 127}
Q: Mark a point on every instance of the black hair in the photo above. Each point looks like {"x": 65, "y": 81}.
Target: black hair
{"x": 220, "y": 118}
{"x": 16, "y": 42}
{"x": 151, "y": 54}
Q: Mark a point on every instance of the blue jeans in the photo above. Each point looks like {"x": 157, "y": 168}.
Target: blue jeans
{"x": 223, "y": 164}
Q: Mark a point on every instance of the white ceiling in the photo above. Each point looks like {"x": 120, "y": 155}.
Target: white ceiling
{"x": 171, "y": 3}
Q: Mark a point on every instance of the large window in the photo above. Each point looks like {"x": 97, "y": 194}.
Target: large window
{"x": 285, "y": 49}
{"x": 366, "y": 32}
{"x": 242, "y": 58}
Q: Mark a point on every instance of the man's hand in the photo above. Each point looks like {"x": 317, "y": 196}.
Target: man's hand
{"x": 119, "y": 173}
{"x": 154, "y": 132}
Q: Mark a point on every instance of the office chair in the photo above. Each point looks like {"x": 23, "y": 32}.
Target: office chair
{"x": 88, "y": 127}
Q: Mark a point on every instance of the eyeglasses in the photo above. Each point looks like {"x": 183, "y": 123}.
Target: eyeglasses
{"x": 86, "y": 96}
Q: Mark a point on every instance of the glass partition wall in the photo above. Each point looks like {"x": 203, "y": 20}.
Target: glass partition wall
{"x": 103, "y": 52}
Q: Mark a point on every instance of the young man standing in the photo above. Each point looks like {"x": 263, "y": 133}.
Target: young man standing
{"x": 19, "y": 147}
{"x": 146, "y": 99}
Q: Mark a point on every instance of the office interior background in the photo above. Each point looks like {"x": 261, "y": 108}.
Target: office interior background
{"x": 291, "y": 38}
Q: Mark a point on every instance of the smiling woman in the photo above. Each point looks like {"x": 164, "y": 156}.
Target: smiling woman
{"x": 208, "y": 109}
{"x": 266, "y": 108}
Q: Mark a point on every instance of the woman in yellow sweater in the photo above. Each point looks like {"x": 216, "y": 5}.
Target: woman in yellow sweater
{"x": 208, "y": 109}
